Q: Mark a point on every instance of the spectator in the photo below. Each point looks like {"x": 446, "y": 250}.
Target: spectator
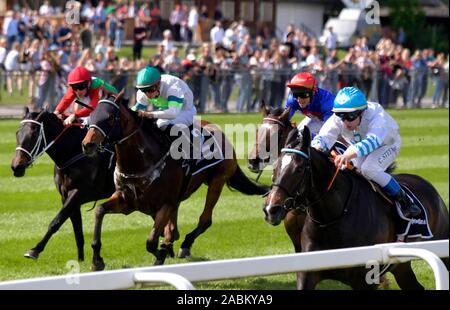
{"x": 331, "y": 39}
{"x": 155, "y": 21}
{"x": 12, "y": 66}
{"x": 86, "y": 35}
{"x": 167, "y": 41}
{"x": 193, "y": 23}
{"x": 120, "y": 30}
{"x": 46, "y": 9}
{"x": 47, "y": 81}
{"x": 12, "y": 30}
{"x": 140, "y": 33}
{"x": 438, "y": 75}
{"x": 217, "y": 33}
{"x": 176, "y": 16}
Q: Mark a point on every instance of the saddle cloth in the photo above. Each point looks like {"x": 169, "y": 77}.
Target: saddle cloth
{"x": 205, "y": 152}
{"x": 412, "y": 228}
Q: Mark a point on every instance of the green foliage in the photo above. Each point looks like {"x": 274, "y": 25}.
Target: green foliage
{"x": 409, "y": 15}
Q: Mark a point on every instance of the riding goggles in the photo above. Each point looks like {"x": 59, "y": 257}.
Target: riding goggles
{"x": 348, "y": 116}
{"x": 150, "y": 89}
{"x": 79, "y": 86}
{"x": 302, "y": 94}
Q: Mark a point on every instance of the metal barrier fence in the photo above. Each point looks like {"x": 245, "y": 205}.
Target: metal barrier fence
{"x": 181, "y": 275}
{"x": 241, "y": 89}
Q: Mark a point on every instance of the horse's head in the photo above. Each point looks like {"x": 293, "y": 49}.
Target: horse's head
{"x": 270, "y": 137}
{"x": 104, "y": 125}
{"x": 291, "y": 169}
{"x": 31, "y": 139}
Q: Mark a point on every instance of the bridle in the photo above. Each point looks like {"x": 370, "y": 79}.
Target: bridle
{"x": 296, "y": 205}
{"x": 271, "y": 121}
{"x": 41, "y": 145}
{"x": 116, "y": 122}
{"x": 294, "y": 197}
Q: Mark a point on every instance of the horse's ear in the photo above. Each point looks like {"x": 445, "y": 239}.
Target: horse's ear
{"x": 285, "y": 115}
{"x": 292, "y": 137}
{"x": 119, "y": 97}
{"x": 263, "y": 108}
{"x": 26, "y": 112}
{"x": 306, "y": 137}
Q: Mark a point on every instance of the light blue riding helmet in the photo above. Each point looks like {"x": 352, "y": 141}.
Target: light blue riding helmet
{"x": 349, "y": 99}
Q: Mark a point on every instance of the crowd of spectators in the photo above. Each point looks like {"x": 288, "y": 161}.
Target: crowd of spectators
{"x": 42, "y": 51}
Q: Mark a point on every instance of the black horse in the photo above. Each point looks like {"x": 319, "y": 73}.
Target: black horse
{"x": 349, "y": 214}
{"x": 78, "y": 179}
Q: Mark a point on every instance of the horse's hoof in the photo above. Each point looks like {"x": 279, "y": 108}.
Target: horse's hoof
{"x": 184, "y": 253}
{"x": 31, "y": 254}
{"x": 98, "y": 266}
{"x": 159, "y": 262}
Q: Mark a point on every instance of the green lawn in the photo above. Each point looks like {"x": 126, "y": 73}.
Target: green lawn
{"x": 28, "y": 204}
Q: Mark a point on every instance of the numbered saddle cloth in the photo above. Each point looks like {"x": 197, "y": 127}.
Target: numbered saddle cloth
{"x": 408, "y": 228}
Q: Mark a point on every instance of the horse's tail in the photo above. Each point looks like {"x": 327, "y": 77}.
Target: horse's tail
{"x": 243, "y": 184}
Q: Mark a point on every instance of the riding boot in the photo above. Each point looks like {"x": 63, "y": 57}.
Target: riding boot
{"x": 407, "y": 205}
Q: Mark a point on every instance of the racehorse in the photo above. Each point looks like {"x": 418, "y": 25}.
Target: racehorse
{"x": 78, "y": 179}
{"x": 346, "y": 213}
{"x": 151, "y": 181}
{"x": 276, "y": 128}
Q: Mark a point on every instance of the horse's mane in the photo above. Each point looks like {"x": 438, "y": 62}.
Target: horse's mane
{"x": 149, "y": 126}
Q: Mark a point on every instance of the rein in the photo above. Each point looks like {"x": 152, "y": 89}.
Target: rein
{"x": 307, "y": 207}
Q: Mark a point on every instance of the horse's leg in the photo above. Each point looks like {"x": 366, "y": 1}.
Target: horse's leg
{"x": 307, "y": 280}
{"x": 115, "y": 204}
{"x": 77, "y": 224}
{"x": 69, "y": 205}
{"x": 405, "y": 277}
{"x": 214, "y": 189}
{"x": 293, "y": 224}
{"x": 161, "y": 220}
{"x": 170, "y": 235}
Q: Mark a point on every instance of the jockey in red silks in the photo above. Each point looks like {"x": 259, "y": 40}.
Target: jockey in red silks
{"x": 82, "y": 96}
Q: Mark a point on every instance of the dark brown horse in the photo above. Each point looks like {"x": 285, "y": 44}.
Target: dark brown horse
{"x": 270, "y": 138}
{"x": 149, "y": 180}
{"x": 77, "y": 178}
{"x": 349, "y": 214}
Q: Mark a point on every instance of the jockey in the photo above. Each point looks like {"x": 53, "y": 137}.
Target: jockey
{"x": 315, "y": 103}
{"x": 84, "y": 90}
{"x": 375, "y": 142}
{"x": 169, "y": 94}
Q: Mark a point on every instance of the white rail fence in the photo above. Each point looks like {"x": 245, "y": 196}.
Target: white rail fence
{"x": 181, "y": 275}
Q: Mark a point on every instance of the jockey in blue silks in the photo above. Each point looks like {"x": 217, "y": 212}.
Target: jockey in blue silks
{"x": 313, "y": 102}
{"x": 375, "y": 142}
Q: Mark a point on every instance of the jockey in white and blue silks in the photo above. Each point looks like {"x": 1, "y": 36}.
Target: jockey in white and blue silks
{"x": 375, "y": 142}
{"x": 171, "y": 96}
{"x": 313, "y": 102}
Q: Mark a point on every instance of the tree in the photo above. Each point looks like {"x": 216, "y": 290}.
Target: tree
{"x": 409, "y": 15}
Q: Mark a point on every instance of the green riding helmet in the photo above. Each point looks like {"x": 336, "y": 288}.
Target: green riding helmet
{"x": 147, "y": 77}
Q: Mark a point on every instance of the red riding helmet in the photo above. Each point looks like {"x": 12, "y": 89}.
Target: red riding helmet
{"x": 304, "y": 80}
{"x": 79, "y": 75}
